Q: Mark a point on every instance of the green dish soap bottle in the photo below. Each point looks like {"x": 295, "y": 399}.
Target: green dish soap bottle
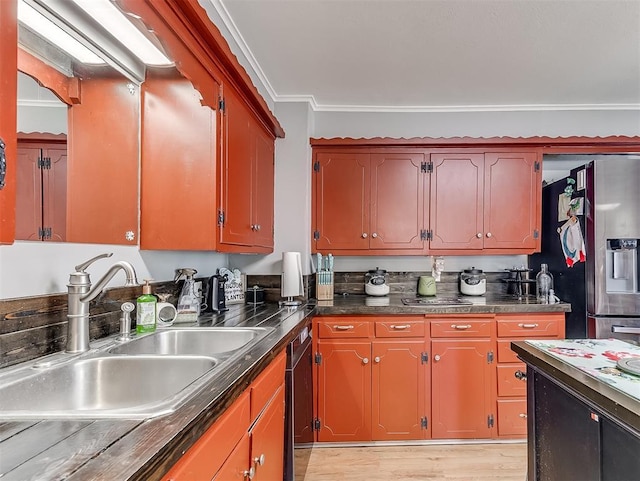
{"x": 146, "y": 310}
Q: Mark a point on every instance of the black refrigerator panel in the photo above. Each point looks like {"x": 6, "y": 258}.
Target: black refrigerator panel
{"x": 569, "y": 282}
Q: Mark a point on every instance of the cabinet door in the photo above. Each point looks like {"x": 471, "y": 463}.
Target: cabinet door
{"x": 456, "y": 204}
{"x": 8, "y": 95}
{"x": 178, "y": 167}
{"x": 512, "y": 191}
{"x": 236, "y": 467}
{"x": 237, "y": 173}
{"x": 398, "y": 401}
{"x": 344, "y": 391}
{"x": 342, "y": 201}
{"x": 54, "y": 182}
{"x": 462, "y": 380}
{"x": 102, "y": 195}
{"x": 267, "y": 440}
{"x": 264, "y": 177}
{"x": 397, "y": 201}
{"x": 29, "y": 195}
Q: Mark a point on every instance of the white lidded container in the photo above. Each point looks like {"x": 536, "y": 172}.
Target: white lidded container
{"x": 473, "y": 282}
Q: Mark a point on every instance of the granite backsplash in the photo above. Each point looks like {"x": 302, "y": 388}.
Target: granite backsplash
{"x": 31, "y": 327}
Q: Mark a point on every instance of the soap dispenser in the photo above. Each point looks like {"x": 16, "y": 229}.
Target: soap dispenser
{"x": 146, "y": 310}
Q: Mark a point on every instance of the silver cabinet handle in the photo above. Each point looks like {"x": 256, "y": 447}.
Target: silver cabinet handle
{"x": 365, "y": 360}
{"x": 522, "y": 415}
{"x": 461, "y": 327}
{"x": 376, "y": 359}
{"x": 249, "y": 473}
{"x": 258, "y": 226}
{"x": 374, "y": 235}
{"x": 479, "y": 235}
{"x": 436, "y": 358}
{"x": 625, "y": 329}
{"x": 528, "y": 326}
{"x": 364, "y": 235}
{"x": 343, "y": 328}
{"x": 400, "y": 326}
{"x": 488, "y": 234}
{"x": 520, "y": 375}
{"x": 259, "y": 460}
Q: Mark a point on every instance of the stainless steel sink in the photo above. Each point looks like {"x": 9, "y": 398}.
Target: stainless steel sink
{"x": 193, "y": 341}
{"x": 113, "y": 386}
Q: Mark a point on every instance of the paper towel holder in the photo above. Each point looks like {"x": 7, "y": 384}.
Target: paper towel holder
{"x": 291, "y": 285}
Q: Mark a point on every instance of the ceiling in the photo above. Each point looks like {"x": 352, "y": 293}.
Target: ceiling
{"x": 442, "y": 55}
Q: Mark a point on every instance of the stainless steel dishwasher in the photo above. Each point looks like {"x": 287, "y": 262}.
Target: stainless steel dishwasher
{"x": 299, "y": 403}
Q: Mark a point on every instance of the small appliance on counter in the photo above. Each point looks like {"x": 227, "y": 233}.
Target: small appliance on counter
{"x": 254, "y": 295}
{"x": 473, "y": 282}
{"x": 375, "y": 282}
{"x": 215, "y": 300}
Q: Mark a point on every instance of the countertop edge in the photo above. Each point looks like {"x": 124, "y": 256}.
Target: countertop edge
{"x": 602, "y": 396}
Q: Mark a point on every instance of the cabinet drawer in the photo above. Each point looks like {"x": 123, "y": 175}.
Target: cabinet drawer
{"x": 505, "y": 354}
{"x": 400, "y": 328}
{"x": 531, "y": 326}
{"x": 344, "y": 327}
{"x": 512, "y": 417}
{"x": 508, "y": 383}
{"x": 461, "y": 327}
{"x": 266, "y": 384}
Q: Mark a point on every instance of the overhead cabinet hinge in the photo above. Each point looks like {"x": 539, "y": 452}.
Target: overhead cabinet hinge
{"x": 316, "y": 425}
{"x": 44, "y": 163}
{"x": 221, "y": 104}
{"x": 318, "y": 358}
{"x": 536, "y": 166}
{"x": 426, "y": 167}
{"x": 490, "y": 420}
{"x": 536, "y": 233}
{"x": 44, "y": 233}
{"x": 316, "y": 166}
{"x": 221, "y": 217}
{"x": 424, "y": 357}
{"x": 424, "y": 422}
{"x": 426, "y": 234}
{"x": 490, "y": 357}
{"x": 316, "y": 234}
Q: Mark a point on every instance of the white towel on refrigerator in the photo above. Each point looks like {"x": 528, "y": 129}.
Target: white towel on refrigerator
{"x": 572, "y": 242}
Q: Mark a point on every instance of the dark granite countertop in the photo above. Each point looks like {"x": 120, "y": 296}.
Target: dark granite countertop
{"x": 136, "y": 450}
{"x": 392, "y": 304}
{"x": 617, "y": 404}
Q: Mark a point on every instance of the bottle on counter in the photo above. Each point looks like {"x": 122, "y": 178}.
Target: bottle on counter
{"x": 146, "y": 310}
{"x": 544, "y": 284}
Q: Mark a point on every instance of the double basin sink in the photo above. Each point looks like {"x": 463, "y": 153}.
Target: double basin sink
{"x": 148, "y": 376}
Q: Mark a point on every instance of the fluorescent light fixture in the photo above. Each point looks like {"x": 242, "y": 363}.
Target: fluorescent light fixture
{"x": 115, "y": 22}
{"x": 54, "y": 34}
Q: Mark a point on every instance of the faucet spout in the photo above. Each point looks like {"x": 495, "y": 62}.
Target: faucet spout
{"x": 80, "y": 294}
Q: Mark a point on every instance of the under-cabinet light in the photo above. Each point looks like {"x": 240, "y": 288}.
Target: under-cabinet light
{"x": 54, "y": 34}
{"x": 114, "y": 21}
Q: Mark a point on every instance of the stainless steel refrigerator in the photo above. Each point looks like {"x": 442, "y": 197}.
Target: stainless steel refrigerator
{"x": 604, "y": 291}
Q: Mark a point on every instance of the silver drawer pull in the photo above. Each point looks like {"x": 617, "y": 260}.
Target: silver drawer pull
{"x": 400, "y": 326}
{"x": 461, "y": 326}
{"x": 625, "y": 329}
{"x": 343, "y": 328}
{"x": 527, "y": 326}
{"x": 522, "y": 415}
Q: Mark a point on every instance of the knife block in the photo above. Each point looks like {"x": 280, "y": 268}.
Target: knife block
{"x": 324, "y": 285}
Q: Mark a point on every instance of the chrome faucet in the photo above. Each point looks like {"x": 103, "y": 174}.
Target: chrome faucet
{"x": 81, "y": 294}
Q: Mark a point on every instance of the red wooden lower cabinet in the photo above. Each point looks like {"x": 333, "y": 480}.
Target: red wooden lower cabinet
{"x": 398, "y": 401}
{"x": 344, "y": 390}
{"x": 462, "y": 389}
{"x": 248, "y": 439}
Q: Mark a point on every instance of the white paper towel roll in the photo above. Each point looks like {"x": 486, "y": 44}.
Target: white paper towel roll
{"x": 291, "y": 284}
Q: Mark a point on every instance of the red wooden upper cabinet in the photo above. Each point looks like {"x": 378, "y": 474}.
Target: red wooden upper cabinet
{"x": 486, "y": 202}
{"x": 369, "y": 202}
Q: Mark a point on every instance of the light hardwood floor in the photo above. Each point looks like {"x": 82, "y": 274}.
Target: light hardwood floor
{"x": 467, "y": 462}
